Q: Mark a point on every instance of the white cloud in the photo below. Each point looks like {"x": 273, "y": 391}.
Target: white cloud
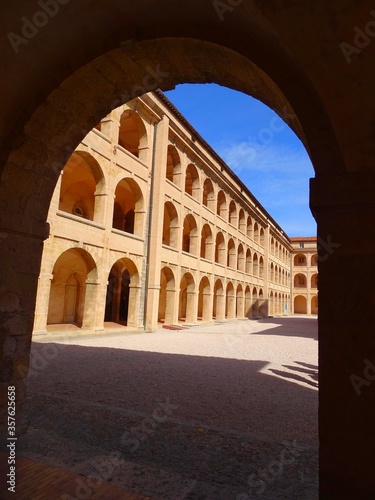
{"x": 252, "y": 156}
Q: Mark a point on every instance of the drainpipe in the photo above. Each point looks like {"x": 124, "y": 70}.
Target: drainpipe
{"x": 149, "y": 225}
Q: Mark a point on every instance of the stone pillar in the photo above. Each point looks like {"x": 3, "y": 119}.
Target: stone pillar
{"x": 231, "y": 305}
{"x": 133, "y": 317}
{"x": 101, "y": 298}
{"x": 207, "y": 306}
{"x": 20, "y": 258}
{"x": 220, "y": 304}
{"x": 42, "y": 303}
{"x": 156, "y": 227}
{"x": 170, "y": 308}
{"x": 90, "y": 304}
{"x": 240, "y": 306}
{"x": 191, "y": 306}
{"x": 344, "y": 208}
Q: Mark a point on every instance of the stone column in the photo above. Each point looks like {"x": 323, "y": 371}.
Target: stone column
{"x": 191, "y": 306}
{"x": 170, "y": 309}
{"x": 156, "y": 228}
{"x": 20, "y": 257}
{"x": 133, "y": 317}
{"x": 90, "y": 304}
{"x": 344, "y": 208}
{"x": 207, "y": 305}
{"x": 220, "y": 304}
{"x": 240, "y": 306}
{"x": 42, "y": 303}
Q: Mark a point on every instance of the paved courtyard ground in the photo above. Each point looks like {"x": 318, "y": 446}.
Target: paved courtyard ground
{"x": 218, "y": 411}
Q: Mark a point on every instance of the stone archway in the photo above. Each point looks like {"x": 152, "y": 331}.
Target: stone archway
{"x": 68, "y": 303}
{"x": 123, "y": 294}
{"x": 259, "y": 51}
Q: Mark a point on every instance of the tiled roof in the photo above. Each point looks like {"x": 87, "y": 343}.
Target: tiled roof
{"x": 303, "y": 238}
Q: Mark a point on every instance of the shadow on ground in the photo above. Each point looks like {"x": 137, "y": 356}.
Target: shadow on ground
{"x": 184, "y": 425}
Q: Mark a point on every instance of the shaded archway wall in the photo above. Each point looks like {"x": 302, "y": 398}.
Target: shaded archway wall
{"x": 47, "y": 113}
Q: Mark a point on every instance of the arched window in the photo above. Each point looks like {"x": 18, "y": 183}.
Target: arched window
{"x": 220, "y": 250}
{"x": 231, "y": 259}
{"x": 132, "y": 134}
{"x": 170, "y": 225}
{"x": 242, "y": 220}
{"x": 249, "y": 227}
{"x": 240, "y": 258}
{"x": 173, "y": 169}
{"x": 300, "y": 260}
{"x": 221, "y": 208}
{"x": 82, "y": 178}
{"x": 261, "y": 237}
{"x": 249, "y": 262}
{"x": 314, "y": 281}
{"x": 206, "y": 242}
{"x": 208, "y": 195}
{"x": 186, "y": 302}
{"x": 256, "y": 232}
{"x": 233, "y": 213}
{"x": 190, "y": 235}
{"x": 128, "y": 207}
{"x": 192, "y": 181}
{"x": 300, "y": 281}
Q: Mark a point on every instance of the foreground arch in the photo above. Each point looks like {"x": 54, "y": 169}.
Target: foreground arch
{"x": 274, "y": 64}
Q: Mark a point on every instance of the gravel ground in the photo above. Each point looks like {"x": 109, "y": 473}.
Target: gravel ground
{"x": 219, "y": 411}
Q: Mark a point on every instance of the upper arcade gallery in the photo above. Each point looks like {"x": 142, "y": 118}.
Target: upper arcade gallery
{"x": 145, "y": 208}
{"x": 92, "y": 57}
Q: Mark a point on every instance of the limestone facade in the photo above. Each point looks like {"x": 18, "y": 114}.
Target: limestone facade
{"x": 149, "y": 226}
{"x": 305, "y": 275}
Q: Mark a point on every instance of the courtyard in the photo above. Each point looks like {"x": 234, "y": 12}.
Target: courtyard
{"x": 225, "y": 410}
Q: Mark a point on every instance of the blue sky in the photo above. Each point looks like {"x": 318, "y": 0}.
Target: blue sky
{"x": 261, "y": 149}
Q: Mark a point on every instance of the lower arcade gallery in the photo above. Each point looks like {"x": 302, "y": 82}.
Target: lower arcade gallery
{"x": 148, "y": 226}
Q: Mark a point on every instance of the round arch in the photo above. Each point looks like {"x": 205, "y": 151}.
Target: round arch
{"x": 82, "y": 179}
{"x": 167, "y": 296}
{"x": 186, "y": 302}
{"x": 204, "y": 300}
{"x": 70, "y": 293}
{"x": 170, "y": 225}
{"x": 41, "y": 114}
{"x": 132, "y": 135}
{"x": 173, "y": 167}
{"x": 128, "y": 207}
{"x": 122, "y": 298}
{"x": 300, "y": 304}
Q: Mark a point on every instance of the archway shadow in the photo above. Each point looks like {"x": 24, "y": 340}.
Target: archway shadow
{"x": 290, "y": 327}
{"x": 220, "y": 414}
